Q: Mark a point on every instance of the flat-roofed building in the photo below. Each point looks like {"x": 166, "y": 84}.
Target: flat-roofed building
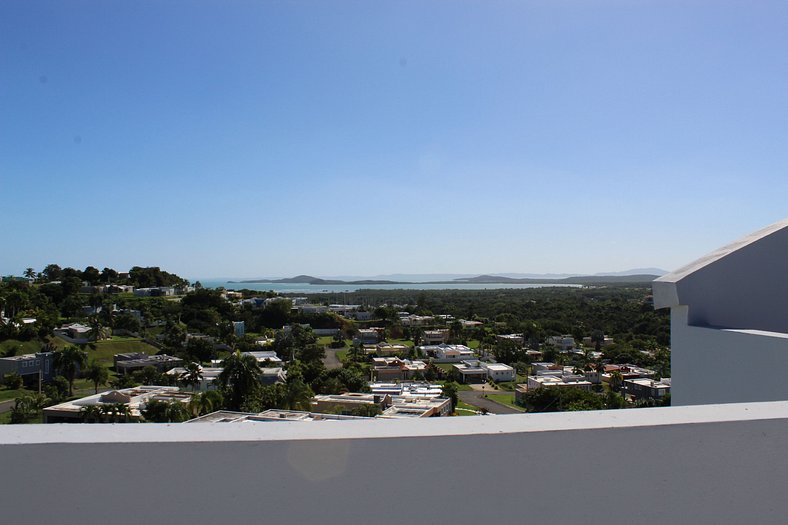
{"x": 444, "y": 353}
{"x": 390, "y": 368}
{"x": 644, "y": 388}
{"x": 126, "y": 363}
{"x": 563, "y": 380}
{"x": 517, "y": 339}
{"x": 270, "y": 416}
{"x": 435, "y": 337}
{"x": 499, "y": 371}
{"x": 347, "y": 403}
{"x": 407, "y": 389}
{"x": 471, "y": 371}
{"x": 135, "y": 399}
{"x": 264, "y": 357}
{"x": 402, "y": 407}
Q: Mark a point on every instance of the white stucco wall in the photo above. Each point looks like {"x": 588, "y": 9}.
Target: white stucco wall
{"x": 710, "y": 464}
{"x": 725, "y": 366}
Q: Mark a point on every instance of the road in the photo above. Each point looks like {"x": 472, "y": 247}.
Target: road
{"x": 476, "y": 398}
{"x": 331, "y": 360}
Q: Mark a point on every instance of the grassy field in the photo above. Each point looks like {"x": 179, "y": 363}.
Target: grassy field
{"x": 103, "y": 351}
{"x": 505, "y": 399}
{"x": 22, "y": 347}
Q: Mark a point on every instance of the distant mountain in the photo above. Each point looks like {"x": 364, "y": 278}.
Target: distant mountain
{"x": 636, "y": 271}
{"x": 644, "y": 275}
{"x": 581, "y": 279}
{"x": 308, "y": 279}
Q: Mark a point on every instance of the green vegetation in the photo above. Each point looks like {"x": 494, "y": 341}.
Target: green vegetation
{"x": 464, "y": 409}
{"x": 198, "y": 327}
{"x": 505, "y": 399}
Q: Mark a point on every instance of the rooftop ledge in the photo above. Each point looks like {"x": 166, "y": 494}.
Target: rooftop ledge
{"x": 445, "y": 427}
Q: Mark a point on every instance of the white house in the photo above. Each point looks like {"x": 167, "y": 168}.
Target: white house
{"x": 499, "y": 371}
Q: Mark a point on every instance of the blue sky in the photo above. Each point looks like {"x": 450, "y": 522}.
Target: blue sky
{"x": 360, "y": 138}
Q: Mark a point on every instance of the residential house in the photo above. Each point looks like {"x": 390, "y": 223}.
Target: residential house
{"x": 444, "y": 353}
{"x": 470, "y": 371}
{"x": 499, "y": 371}
{"x": 391, "y": 368}
{"x": 368, "y": 336}
{"x": 40, "y": 364}
{"x": 644, "y": 388}
{"x": 347, "y": 403}
{"x": 435, "y": 337}
{"x": 75, "y": 333}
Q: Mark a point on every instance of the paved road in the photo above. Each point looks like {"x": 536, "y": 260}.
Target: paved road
{"x": 476, "y": 398}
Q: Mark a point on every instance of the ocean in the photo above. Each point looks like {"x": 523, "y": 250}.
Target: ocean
{"x": 337, "y": 288}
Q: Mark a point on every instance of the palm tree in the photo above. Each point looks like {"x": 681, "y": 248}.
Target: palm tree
{"x": 97, "y": 374}
{"x": 192, "y": 375}
{"x": 92, "y": 414}
{"x": 205, "y": 403}
{"x": 298, "y": 395}
{"x": 68, "y": 362}
{"x": 30, "y": 273}
{"x": 240, "y": 377}
{"x": 96, "y": 327}
{"x": 116, "y": 412}
{"x": 616, "y": 381}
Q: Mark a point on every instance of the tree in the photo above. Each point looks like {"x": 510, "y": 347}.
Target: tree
{"x": 13, "y": 381}
{"x": 450, "y": 389}
{"x": 108, "y": 275}
{"x": 96, "y": 327}
{"x": 68, "y": 362}
{"x": 205, "y": 403}
{"x": 116, "y": 412}
{"x": 27, "y": 407}
{"x": 165, "y": 411}
{"x": 192, "y": 375}
{"x": 96, "y": 374}
{"x": 148, "y": 376}
{"x": 557, "y": 399}
{"x": 91, "y": 414}
{"x": 30, "y": 273}
{"x": 240, "y": 378}
{"x": 52, "y": 272}
{"x": 199, "y": 349}
{"x": 616, "y": 381}
{"x": 91, "y": 275}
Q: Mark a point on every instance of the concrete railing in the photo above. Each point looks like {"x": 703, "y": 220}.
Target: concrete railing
{"x": 698, "y": 464}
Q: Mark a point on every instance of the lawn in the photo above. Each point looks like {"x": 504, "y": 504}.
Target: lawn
{"x": 22, "y": 347}
{"x": 464, "y": 409}
{"x": 505, "y": 399}
{"x": 103, "y": 351}
{"x": 342, "y": 355}
{"x": 6, "y": 394}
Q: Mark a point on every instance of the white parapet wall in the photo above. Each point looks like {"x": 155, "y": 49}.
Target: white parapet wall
{"x": 699, "y": 464}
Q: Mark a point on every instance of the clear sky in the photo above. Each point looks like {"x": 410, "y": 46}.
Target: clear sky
{"x": 268, "y": 138}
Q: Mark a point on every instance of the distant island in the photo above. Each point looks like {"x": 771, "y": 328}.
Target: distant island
{"x": 308, "y": 279}
{"x": 481, "y": 279}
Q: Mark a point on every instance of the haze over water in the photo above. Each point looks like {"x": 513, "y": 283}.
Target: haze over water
{"x": 335, "y": 288}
